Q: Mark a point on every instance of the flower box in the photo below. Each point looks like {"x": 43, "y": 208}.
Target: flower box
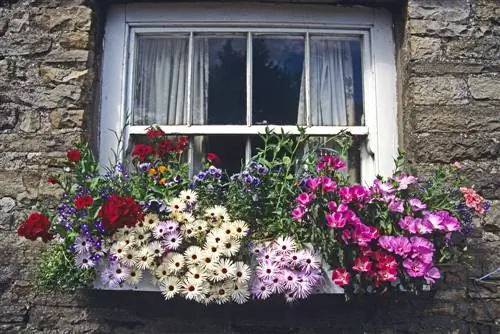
{"x": 290, "y": 224}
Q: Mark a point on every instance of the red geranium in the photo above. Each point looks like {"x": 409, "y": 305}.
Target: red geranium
{"x": 74, "y": 155}
{"x": 52, "y": 180}
{"x": 142, "y": 151}
{"x": 213, "y": 158}
{"x": 83, "y": 201}
{"x": 154, "y": 132}
{"x": 182, "y": 143}
{"x": 165, "y": 147}
{"x": 117, "y": 212}
{"x": 37, "y": 225}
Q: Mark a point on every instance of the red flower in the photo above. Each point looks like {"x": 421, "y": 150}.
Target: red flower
{"x": 83, "y": 201}
{"x": 74, "y": 155}
{"x": 154, "y": 132}
{"x": 165, "y": 147}
{"x": 213, "y": 158}
{"x": 117, "y": 212}
{"x": 182, "y": 144}
{"x": 52, "y": 180}
{"x": 37, "y": 225}
{"x": 142, "y": 151}
{"x": 341, "y": 277}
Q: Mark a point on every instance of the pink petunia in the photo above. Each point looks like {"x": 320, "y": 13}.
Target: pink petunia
{"x": 432, "y": 275}
{"x": 341, "y": 277}
{"x": 327, "y": 184}
{"x": 414, "y": 268}
{"x": 298, "y": 213}
{"x": 404, "y": 180}
{"x": 335, "y": 220}
{"x": 416, "y": 204}
{"x": 362, "y": 264}
{"x": 304, "y": 199}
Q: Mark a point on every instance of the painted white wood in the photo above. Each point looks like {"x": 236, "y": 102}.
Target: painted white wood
{"x": 250, "y": 130}
{"x": 112, "y": 82}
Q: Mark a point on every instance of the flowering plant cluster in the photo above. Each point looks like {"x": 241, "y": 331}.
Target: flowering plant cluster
{"x": 290, "y": 223}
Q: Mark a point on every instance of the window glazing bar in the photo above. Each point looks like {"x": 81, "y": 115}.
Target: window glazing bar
{"x": 190, "y": 78}
{"x": 249, "y": 78}
{"x": 307, "y": 66}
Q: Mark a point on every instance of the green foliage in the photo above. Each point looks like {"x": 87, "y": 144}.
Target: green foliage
{"x": 57, "y": 271}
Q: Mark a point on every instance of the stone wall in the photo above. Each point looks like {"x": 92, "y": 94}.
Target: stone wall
{"x": 448, "y": 71}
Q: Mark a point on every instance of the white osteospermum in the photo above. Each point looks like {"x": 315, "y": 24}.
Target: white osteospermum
{"x": 193, "y": 289}
{"x": 310, "y": 261}
{"x": 170, "y": 286}
{"x": 229, "y": 229}
{"x": 189, "y": 196}
{"x": 84, "y": 260}
{"x": 140, "y": 236}
{"x": 187, "y": 218}
{"x": 240, "y": 228}
{"x": 217, "y": 214}
{"x": 177, "y": 205}
{"x": 188, "y": 230}
{"x": 134, "y": 277}
{"x": 129, "y": 257}
{"x": 143, "y": 258}
{"x": 223, "y": 269}
{"x": 217, "y": 237}
{"x": 172, "y": 241}
{"x": 175, "y": 262}
{"x": 285, "y": 245}
{"x": 207, "y": 260}
{"x": 222, "y": 293}
{"x": 82, "y": 245}
{"x": 162, "y": 272}
{"x": 159, "y": 230}
{"x": 242, "y": 272}
{"x": 193, "y": 255}
{"x": 230, "y": 247}
{"x": 213, "y": 249}
{"x": 121, "y": 272}
{"x": 119, "y": 249}
{"x": 240, "y": 293}
{"x": 156, "y": 248}
{"x": 151, "y": 220}
{"x": 200, "y": 226}
{"x": 197, "y": 273}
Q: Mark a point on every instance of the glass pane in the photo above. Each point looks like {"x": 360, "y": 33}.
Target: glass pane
{"x": 219, "y": 78}
{"x": 160, "y": 81}
{"x": 277, "y": 88}
{"x": 230, "y": 149}
{"x": 336, "y": 82}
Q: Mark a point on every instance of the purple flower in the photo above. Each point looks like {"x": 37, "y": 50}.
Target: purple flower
{"x": 383, "y": 188}
{"x": 327, "y": 184}
{"x": 396, "y": 205}
{"x": 304, "y": 199}
{"x": 432, "y": 275}
{"x": 345, "y": 194}
{"x": 448, "y": 222}
{"x": 298, "y": 213}
{"x": 404, "y": 180}
{"x": 416, "y": 204}
{"x": 335, "y": 220}
{"x": 313, "y": 184}
{"x": 414, "y": 268}
{"x": 397, "y": 245}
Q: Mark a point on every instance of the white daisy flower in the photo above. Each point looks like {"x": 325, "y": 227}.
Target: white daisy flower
{"x": 294, "y": 258}
{"x": 162, "y": 271}
{"x": 129, "y": 257}
{"x": 140, "y": 236}
{"x": 240, "y": 293}
{"x": 130, "y": 240}
{"x": 121, "y": 272}
{"x": 225, "y": 268}
{"x": 290, "y": 279}
{"x": 216, "y": 236}
{"x": 188, "y": 196}
{"x": 84, "y": 260}
{"x": 187, "y": 217}
{"x": 156, "y": 248}
{"x": 134, "y": 277}
{"x": 172, "y": 241}
{"x": 276, "y": 284}
{"x": 240, "y": 228}
{"x": 193, "y": 254}
{"x": 200, "y": 226}
{"x": 193, "y": 289}
{"x": 82, "y": 245}
{"x": 310, "y": 261}
{"x": 175, "y": 262}
{"x": 188, "y": 230}
{"x": 207, "y": 260}
{"x": 169, "y": 287}
{"x": 122, "y": 232}
{"x": 230, "y": 247}
{"x": 267, "y": 270}
{"x": 159, "y": 230}
{"x": 140, "y": 227}
{"x": 171, "y": 226}
{"x": 242, "y": 272}
{"x": 143, "y": 258}
{"x": 119, "y": 249}
{"x": 217, "y": 214}
{"x": 109, "y": 278}
{"x": 285, "y": 245}
{"x": 222, "y": 293}
{"x": 151, "y": 220}
{"x": 213, "y": 249}
{"x": 177, "y": 205}
{"x": 229, "y": 229}
{"x": 197, "y": 273}
{"x": 176, "y": 216}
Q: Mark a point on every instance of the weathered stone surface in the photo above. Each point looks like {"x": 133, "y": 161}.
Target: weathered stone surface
{"x": 63, "y": 118}
{"x": 438, "y": 28}
{"x": 440, "y": 68}
{"x": 61, "y": 75}
{"x": 485, "y": 86}
{"x": 67, "y": 56}
{"x": 439, "y": 10}
{"x": 30, "y": 121}
{"x": 75, "y": 40}
{"x": 438, "y": 90}
{"x": 487, "y": 47}
{"x": 57, "y": 97}
{"x": 65, "y": 19}
{"x": 9, "y": 115}
{"x": 424, "y": 47}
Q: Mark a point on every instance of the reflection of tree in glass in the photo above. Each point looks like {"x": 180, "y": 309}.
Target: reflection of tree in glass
{"x": 276, "y": 84}
{"x": 227, "y": 87}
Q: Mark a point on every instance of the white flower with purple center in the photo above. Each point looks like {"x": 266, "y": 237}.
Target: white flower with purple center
{"x": 267, "y": 270}
{"x": 284, "y": 245}
{"x": 172, "y": 241}
{"x": 159, "y": 230}
{"x": 84, "y": 260}
{"x": 82, "y": 244}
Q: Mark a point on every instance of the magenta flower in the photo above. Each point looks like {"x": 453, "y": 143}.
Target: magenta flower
{"x": 332, "y": 206}
{"x": 404, "y": 180}
{"x": 408, "y": 224}
{"x": 448, "y": 222}
{"x": 383, "y": 188}
{"x": 421, "y": 226}
{"x": 432, "y": 275}
{"x": 330, "y": 162}
{"x": 346, "y": 236}
{"x": 335, "y": 220}
{"x": 359, "y": 193}
{"x": 397, "y": 245}
{"x": 328, "y": 185}
{"x": 414, "y": 268}
{"x": 313, "y": 184}
{"x": 416, "y": 204}
{"x": 396, "y": 205}
{"x": 304, "y": 199}
{"x": 434, "y": 219}
{"x": 341, "y": 277}
{"x": 388, "y": 274}
{"x": 345, "y": 194}
{"x": 362, "y": 264}
{"x": 298, "y": 213}
{"x": 362, "y": 234}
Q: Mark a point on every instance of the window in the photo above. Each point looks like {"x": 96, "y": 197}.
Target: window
{"x": 222, "y": 73}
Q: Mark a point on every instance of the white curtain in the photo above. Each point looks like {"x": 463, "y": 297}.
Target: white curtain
{"x": 331, "y": 85}
{"x": 161, "y": 81}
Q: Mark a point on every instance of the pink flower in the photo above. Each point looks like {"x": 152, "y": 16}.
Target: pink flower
{"x": 458, "y": 165}
{"x": 448, "y": 222}
{"x": 404, "y": 180}
{"x": 304, "y": 199}
{"x": 422, "y": 226}
{"x": 346, "y": 236}
{"x": 313, "y": 184}
{"x": 332, "y": 206}
{"x": 389, "y": 275}
{"x": 406, "y": 223}
{"x": 359, "y": 193}
{"x": 473, "y": 200}
{"x": 362, "y": 234}
{"x": 434, "y": 219}
{"x": 335, "y": 220}
{"x": 397, "y": 245}
{"x": 432, "y": 275}
{"x": 330, "y": 162}
{"x": 327, "y": 184}
{"x": 416, "y": 204}
{"x": 385, "y": 261}
{"x": 341, "y": 277}
{"x": 383, "y": 188}
{"x": 396, "y": 205}
{"x": 414, "y": 268}
{"x": 345, "y": 194}
{"x": 298, "y": 213}
{"x": 362, "y": 264}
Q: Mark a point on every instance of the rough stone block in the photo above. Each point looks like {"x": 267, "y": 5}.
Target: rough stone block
{"x": 439, "y": 10}
{"x": 438, "y": 28}
{"x": 421, "y": 48}
{"x": 62, "y": 118}
{"x": 438, "y": 90}
{"x": 485, "y": 86}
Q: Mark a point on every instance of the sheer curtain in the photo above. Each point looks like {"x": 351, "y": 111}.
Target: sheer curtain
{"x": 331, "y": 85}
{"x": 161, "y": 82}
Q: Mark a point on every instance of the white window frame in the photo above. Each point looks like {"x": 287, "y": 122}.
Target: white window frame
{"x": 374, "y": 26}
